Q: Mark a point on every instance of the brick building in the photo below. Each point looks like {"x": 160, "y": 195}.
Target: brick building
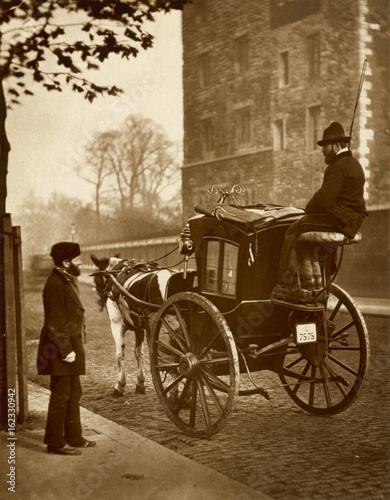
{"x": 263, "y": 78}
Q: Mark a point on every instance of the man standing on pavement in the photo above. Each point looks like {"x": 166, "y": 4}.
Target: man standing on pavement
{"x": 337, "y": 206}
{"x": 61, "y": 352}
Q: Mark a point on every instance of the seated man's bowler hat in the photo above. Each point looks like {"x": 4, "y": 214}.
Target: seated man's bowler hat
{"x": 334, "y": 133}
{"x": 65, "y": 250}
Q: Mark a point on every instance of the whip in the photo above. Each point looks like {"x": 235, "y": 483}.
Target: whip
{"x": 360, "y": 86}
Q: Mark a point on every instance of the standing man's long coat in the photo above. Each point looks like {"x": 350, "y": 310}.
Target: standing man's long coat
{"x": 63, "y": 328}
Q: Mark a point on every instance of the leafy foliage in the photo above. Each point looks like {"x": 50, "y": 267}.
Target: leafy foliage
{"x": 36, "y": 40}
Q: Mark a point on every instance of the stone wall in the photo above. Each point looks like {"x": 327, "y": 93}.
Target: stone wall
{"x": 349, "y": 32}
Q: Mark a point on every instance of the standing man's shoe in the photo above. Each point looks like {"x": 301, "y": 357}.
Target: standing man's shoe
{"x": 85, "y": 444}
{"x": 63, "y": 450}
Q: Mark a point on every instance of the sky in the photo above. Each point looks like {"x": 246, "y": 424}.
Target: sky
{"x": 47, "y": 132}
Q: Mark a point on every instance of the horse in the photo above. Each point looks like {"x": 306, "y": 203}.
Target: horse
{"x": 145, "y": 281}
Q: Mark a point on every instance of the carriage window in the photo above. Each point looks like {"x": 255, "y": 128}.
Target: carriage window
{"x": 229, "y": 269}
{"x": 211, "y": 282}
{"x": 221, "y": 267}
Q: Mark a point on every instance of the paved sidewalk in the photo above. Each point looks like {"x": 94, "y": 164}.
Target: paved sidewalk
{"x": 123, "y": 465}
{"x": 373, "y": 307}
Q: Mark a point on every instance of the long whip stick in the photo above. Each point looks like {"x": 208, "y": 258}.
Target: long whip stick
{"x": 360, "y": 86}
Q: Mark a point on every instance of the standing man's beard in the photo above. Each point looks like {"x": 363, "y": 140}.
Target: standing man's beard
{"x": 73, "y": 270}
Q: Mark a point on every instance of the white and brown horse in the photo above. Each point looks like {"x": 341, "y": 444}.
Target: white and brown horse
{"x": 146, "y": 282}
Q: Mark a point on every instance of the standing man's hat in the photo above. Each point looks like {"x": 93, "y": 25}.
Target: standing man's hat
{"x": 65, "y": 250}
{"x": 334, "y": 133}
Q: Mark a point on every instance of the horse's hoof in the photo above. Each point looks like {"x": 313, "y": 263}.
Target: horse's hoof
{"x": 139, "y": 389}
{"x": 116, "y": 394}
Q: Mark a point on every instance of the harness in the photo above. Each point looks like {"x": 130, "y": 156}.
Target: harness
{"x": 123, "y": 272}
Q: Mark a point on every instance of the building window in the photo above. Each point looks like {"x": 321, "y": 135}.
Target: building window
{"x": 201, "y": 12}
{"x": 314, "y": 47}
{"x": 241, "y": 54}
{"x": 284, "y": 70}
{"x": 204, "y": 69}
{"x": 279, "y": 135}
{"x": 208, "y": 135}
{"x": 314, "y": 130}
{"x": 243, "y": 126}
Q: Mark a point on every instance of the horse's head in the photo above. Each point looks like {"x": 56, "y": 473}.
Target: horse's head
{"x": 102, "y": 283}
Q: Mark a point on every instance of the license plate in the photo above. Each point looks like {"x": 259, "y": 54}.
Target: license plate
{"x": 306, "y": 332}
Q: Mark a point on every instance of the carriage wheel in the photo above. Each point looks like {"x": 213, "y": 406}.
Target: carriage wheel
{"x": 194, "y": 364}
{"x": 331, "y": 384}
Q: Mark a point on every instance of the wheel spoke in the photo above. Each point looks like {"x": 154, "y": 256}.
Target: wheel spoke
{"x": 298, "y": 385}
{"x": 183, "y": 396}
{"x": 203, "y": 400}
{"x": 193, "y": 404}
{"x": 342, "y": 330}
{"x": 202, "y": 330}
{"x": 199, "y": 326}
{"x": 343, "y": 365}
{"x": 334, "y": 376}
{"x": 216, "y": 382}
{"x": 335, "y": 310}
{"x": 295, "y": 362}
{"x": 216, "y": 361}
{"x": 182, "y": 324}
{"x": 169, "y": 348}
{"x": 179, "y": 340}
{"x": 345, "y": 348}
{"x": 173, "y": 384}
{"x": 209, "y": 345}
{"x": 325, "y": 384}
{"x": 212, "y": 393}
{"x": 300, "y": 376}
{"x": 167, "y": 366}
{"x": 312, "y": 385}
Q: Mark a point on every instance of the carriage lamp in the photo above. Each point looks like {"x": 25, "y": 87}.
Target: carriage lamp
{"x": 187, "y": 247}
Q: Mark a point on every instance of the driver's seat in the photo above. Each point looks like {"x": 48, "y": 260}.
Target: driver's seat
{"x": 329, "y": 237}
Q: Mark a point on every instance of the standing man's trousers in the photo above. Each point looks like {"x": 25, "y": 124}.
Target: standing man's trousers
{"x": 63, "y": 420}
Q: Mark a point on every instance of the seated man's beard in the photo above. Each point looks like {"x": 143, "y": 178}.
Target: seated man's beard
{"x": 73, "y": 269}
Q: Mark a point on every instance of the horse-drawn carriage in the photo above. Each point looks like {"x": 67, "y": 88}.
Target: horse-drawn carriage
{"x": 219, "y": 322}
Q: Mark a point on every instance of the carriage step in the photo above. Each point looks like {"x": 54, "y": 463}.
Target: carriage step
{"x": 257, "y": 390}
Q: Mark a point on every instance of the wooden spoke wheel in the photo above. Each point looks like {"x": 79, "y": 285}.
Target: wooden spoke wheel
{"x": 194, "y": 364}
{"x": 330, "y": 384}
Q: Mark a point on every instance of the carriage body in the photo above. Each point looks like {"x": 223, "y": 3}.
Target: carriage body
{"x": 237, "y": 264}
{"x": 211, "y": 331}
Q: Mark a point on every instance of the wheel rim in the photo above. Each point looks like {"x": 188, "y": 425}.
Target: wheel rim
{"x": 333, "y": 385}
{"x": 194, "y": 364}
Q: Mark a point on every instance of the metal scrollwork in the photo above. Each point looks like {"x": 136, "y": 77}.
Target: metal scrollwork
{"x": 224, "y": 195}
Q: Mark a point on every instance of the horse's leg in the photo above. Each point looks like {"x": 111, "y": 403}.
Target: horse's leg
{"x": 118, "y": 330}
{"x": 139, "y": 356}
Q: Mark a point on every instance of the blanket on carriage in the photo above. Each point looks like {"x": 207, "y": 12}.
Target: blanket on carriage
{"x": 257, "y": 216}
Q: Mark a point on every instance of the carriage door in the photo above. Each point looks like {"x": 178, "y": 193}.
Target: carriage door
{"x": 220, "y": 273}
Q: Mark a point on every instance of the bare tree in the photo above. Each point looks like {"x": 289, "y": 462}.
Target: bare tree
{"x": 94, "y": 167}
{"x": 137, "y": 159}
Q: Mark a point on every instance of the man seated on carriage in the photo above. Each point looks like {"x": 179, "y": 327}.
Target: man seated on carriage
{"x": 338, "y": 206}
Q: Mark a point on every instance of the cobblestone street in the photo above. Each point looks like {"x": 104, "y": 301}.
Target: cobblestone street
{"x": 271, "y": 446}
